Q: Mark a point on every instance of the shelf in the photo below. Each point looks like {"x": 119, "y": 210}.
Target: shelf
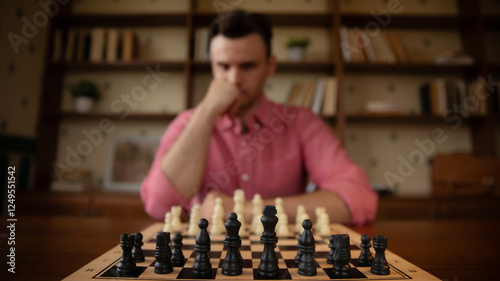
{"x": 277, "y": 19}
{"x": 118, "y": 66}
{"x": 129, "y": 117}
{"x": 409, "y": 21}
{"x": 413, "y": 68}
{"x": 204, "y": 66}
{"x": 121, "y": 20}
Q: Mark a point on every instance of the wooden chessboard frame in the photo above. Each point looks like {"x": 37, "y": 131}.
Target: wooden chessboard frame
{"x": 103, "y": 266}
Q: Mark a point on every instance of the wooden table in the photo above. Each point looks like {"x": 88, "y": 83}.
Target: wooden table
{"x": 51, "y": 248}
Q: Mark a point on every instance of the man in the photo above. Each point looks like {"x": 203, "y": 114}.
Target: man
{"x": 237, "y": 139}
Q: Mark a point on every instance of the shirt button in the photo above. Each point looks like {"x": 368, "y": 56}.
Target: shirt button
{"x": 256, "y": 126}
{"x": 243, "y": 143}
{"x": 244, "y": 177}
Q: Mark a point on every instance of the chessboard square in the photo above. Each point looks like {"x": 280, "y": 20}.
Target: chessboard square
{"x": 217, "y": 248}
{"x": 354, "y": 271}
{"x": 111, "y": 272}
{"x": 281, "y": 263}
{"x": 211, "y": 254}
{"x": 246, "y": 255}
{"x": 291, "y": 264}
{"x": 187, "y": 273}
{"x": 187, "y": 247}
{"x": 320, "y": 255}
{"x": 355, "y": 263}
{"x": 244, "y": 276}
{"x": 290, "y": 255}
{"x": 242, "y": 248}
{"x": 355, "y": 247}
{"x": 283, "y": 274}
{"x": 150, "y": 274}
{"x": 288, "y": 247}
{"x": 148, "y": 253}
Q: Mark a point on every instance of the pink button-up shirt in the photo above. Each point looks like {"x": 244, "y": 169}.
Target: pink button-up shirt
{"x": 272, "y": 158}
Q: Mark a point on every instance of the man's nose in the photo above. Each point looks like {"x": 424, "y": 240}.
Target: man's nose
{"x": 235, "y": 76}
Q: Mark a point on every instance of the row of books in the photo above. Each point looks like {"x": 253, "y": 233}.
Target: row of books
{"x": 441, "y": 96}
{"x": 94, "y": 45}
{"x": 320, "y": 96}
{"x": 385, "y": 47}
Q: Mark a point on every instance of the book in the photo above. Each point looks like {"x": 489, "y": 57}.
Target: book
{"x": 330, "y": 99}
{"x": 127, "y": 50}
{"x": 399, "y": 49}
{"x": 57, "y": 48}
{"x": 294, "y": 93}
{"x": 318, "y": 96}
{"x": 111, "y": 45}
{"x": 97, "y": 44}
{"x": 71, "y": 45}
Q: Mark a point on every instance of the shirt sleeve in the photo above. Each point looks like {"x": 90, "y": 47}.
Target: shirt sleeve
{"x": 331, "y": 168}
{"x": 157, "y": 194}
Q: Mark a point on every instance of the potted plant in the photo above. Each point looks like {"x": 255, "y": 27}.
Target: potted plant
{"x": 85, "y": 93}
{"x": 297, "y": 48}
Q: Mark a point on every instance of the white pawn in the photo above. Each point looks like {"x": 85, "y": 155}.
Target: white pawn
{"x": 283, "y": 229}
{"x": 176, "y": 219}
{"x": 279, "y": 210}
{"x": 217, "y": 223}
{"x": 239, "y": 209}
{"x": 195, "y": 216}
{"x": 167, "y": 227}
{"x": 301, "y": 216}
{"x": 257, "y": 227}
{"x": 319, "y": 211}
{"x": 324, "y": 225}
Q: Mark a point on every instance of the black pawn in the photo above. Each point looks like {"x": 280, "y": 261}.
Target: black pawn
{"x": 232, "y": 264}
{"x": 126, "y": 266}
{"x": 202, "y": 268}
{"x": 299, "y": 252}
{"x": 268, "y": 266}
{"x": 366, "y": 257}
{"x": 178, "y": 259}
{"x": 342, "y": 256}
{"x": 379, "y": 265}
{"x": 307, "y": 265}
{"x": 163, "y": 253}
{"x": 137, "y": 251}
{"x": 330, "y": 259}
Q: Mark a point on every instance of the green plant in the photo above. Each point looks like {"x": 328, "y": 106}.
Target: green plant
{"x": 298, "y": 42}
{"x": 85, "y": 88}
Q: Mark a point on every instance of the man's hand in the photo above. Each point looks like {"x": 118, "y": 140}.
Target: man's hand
{"x": 222, "y": 98}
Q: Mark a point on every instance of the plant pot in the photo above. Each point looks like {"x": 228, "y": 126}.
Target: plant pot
{"x": 83, "y": 104}
{"x": 296, "y": 54}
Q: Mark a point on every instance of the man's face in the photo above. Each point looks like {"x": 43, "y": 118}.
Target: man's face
{"x": 242, "y": 62}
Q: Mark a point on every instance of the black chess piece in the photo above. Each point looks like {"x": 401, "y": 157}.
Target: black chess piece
{"x": 379, "y": 265}
{"x": 299, "y": 252}
{"x": 178, "y": 259}
{"x": 330, "y": 259}
{"x": 268, "y": 266}
{"x": 126, "y": 266}
{"x": 137, "y": 252}
{"x": 307, "y": 265}
{"x": 232, "y": 264}
{"x": 342, "y": 256}
{"x": 163, "y": 254}
{"x": 202, "y": 268}
{"x": 366, "y": 257}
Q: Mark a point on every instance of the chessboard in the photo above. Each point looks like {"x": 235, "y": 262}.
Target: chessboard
{"x": 104, "y": 267}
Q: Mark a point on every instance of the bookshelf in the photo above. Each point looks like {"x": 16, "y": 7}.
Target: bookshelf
{"x": 468, "y": 22}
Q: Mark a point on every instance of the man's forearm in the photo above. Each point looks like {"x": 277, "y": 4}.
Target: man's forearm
{"x": 184, "y": 163}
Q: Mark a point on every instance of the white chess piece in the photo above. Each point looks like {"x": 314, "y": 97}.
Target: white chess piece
{"x": 217, "y": 223}
{"x": 283, "y": 230}
{"x": 303, "y": 215}
{"x": 319, "y": 212}
{"x": 279, "y": 210}
{"x": 195, "y": 216}
{"x": 168, "y": 223}
{"x": 324, "y": 224}
{"x": 176, "y": 219}
{"x": 257, "y": 227}
{"x": 239, "y": 209}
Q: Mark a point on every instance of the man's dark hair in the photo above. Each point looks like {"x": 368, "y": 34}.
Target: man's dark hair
{"x": 238, "y": 23}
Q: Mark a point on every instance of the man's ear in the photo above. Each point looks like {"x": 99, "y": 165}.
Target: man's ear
{"x": 271, "y": 65}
